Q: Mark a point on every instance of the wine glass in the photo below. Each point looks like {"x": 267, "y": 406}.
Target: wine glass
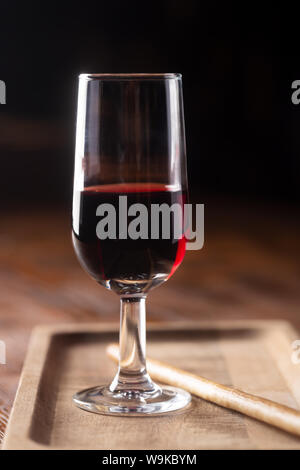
{"x": 130, "y": 152}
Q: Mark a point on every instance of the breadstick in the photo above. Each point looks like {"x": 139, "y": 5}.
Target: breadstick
{"x": 268, "y": 411}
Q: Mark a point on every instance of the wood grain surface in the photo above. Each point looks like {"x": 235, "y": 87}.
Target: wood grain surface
{"x": 229, "y": 352}
{"x": 248, "y": 268}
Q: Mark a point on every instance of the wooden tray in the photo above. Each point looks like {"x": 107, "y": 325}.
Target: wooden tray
{"x": 253, "y": 356}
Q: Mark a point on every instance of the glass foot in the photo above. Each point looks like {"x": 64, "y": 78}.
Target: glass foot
{"x": 132, "y": 403}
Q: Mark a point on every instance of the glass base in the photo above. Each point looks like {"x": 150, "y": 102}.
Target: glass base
{"x": 132, "y": 403}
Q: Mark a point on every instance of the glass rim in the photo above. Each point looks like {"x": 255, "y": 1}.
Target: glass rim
{"x": 130, "y": 76}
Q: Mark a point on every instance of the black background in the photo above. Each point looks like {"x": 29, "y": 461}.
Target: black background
{"x": 238, "y": 63}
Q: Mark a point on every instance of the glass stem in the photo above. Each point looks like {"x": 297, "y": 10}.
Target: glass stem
{"x": 132, "y": 376}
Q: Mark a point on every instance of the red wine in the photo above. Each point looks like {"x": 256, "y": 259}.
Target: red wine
{"x": 126, "y": 266}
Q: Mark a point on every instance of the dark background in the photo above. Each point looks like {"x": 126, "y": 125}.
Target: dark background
{"x": 238, "y": 64}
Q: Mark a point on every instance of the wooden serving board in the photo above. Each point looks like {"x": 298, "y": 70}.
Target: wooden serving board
{"x": 253, "y": 356}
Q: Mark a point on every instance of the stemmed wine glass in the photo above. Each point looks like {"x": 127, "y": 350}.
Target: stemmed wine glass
{"x": 130, "y": 152}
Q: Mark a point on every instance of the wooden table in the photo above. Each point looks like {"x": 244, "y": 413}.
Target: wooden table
{"x": 249, "y": 268}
